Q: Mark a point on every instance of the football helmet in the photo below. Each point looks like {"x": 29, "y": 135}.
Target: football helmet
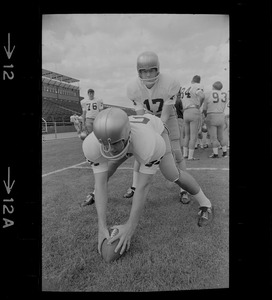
{"x": 148, "y": 60}
{"x": 112, "y": 129}
{"x": 218, "y": 85}
{"x": 83, "y": 135}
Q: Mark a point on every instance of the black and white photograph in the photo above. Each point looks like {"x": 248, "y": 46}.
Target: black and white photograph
{"x": 135, "y": 152}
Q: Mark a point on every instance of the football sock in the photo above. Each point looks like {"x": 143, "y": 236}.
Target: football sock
{"x": 215, "y": 151}
{"x": 202, "y": 199}
{"x": 134, "y": 182}
{"x": 191, "y": 153}
{"x": 224, "y": 148}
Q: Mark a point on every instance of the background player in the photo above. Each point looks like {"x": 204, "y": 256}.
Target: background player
{"x": 156, "y": 93}
{"x": 192, "y": 97}
{"x": 213, "y": 109}
{"x": 91, "y": 107}
{"x": 115, "y": 138}
{"x": 77, "y": 120}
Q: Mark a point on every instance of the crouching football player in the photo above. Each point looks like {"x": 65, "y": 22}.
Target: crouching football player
{"x": 116, "y": 137}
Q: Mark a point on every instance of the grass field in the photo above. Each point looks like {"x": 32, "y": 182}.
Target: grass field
{"x": 168, "y": 251}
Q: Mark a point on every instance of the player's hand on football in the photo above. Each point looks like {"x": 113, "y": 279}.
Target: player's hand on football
{"x": 103, "y": 233}
{"x": 125, "y": 233}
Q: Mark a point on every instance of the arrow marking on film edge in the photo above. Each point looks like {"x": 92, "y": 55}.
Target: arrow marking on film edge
{"x": 8, "y": 52}
{"x": 8, "y": 186}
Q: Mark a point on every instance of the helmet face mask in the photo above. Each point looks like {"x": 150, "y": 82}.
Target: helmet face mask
{"x": 148, "y": 63}
{"x": 112, "y": 129}
{"x": 114, "y": 151}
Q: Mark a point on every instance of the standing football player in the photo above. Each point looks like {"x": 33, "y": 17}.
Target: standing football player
{"x": 92, "y": 107}
{"x": 116, "y": 137}
{"x": 156, "y": 93}
{"x": 192, "y": 97}
{"x": 213, "y": 109}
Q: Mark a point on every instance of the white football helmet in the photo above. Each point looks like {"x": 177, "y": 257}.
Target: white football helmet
{"x": 112, "y": 129}
{"x": 148, "y": 60}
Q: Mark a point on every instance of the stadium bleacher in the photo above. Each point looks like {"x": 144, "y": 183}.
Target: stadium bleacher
{"x": 61, "y": 99}
{"x": 59, "y": 110}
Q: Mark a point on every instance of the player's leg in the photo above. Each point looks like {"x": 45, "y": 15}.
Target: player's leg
{"x": 221, "y": 137}
{"x": 194, "y": 126}
{"x": 186, "y": 136}
{"x": 185, "y": 181}
{"x": 214, "y": 141}
{"x": 174, "y": 136}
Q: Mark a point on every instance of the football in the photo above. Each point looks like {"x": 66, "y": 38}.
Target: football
{"x": 107, "y": 251}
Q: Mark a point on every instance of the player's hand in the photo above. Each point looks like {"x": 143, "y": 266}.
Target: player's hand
{"x": 125, "y": 234}
{"x": 103, "y": 233}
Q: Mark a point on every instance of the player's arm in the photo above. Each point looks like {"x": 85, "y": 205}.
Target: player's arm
{"x": 101, "y": 105}
{"x": 101, "y": 200}
{"x": 204, "y": 110}
{"x": 200, "y": 94}
{"x": 166, "y": 112}
{"x": 127, "y": 230}
{"x": 170, "y": 102}
{"x": 84, "y": 111}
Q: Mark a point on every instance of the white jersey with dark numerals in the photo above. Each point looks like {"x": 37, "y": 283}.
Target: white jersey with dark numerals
{"x": 190, "y": 94}
{"x": 147, "y": 145}
{"x": 92, "y": 107}
{"x": 215, "y": 101}
{"x": 162, "y": 93}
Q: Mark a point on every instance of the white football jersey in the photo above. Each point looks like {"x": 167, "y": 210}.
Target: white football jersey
{"x": 227, "y": 108}
{"x": 190, "y": 94}
{"x": 147, "y": 145}
{"x": 215, "y": 101}
{"x": 162, "y": 93}
{"x": 92, "y": 107}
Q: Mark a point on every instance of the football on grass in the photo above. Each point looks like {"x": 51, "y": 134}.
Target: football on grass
{"x": 107, "y": 251}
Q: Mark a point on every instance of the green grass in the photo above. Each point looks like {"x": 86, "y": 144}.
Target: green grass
{"x": 168, "y": 250}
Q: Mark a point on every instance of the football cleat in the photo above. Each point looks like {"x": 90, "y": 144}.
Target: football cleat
{"x": 193, "y": 158}
{"x": 89, "y": 200}
{"x": 214, "y": 156}
{"x": 225, "y": 154}
{"x": 184, "y": 197}
{"x": 205, "y": 215}
{"x": 129, "y": 193}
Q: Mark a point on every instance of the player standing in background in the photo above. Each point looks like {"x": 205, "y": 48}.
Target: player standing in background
{"x": 156, "y": 93}
{"x": 91, "y": 108}
{"x": 213, "y": 109}
{"x": 115, "y": 138}
{"x": 192, "y": 97}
